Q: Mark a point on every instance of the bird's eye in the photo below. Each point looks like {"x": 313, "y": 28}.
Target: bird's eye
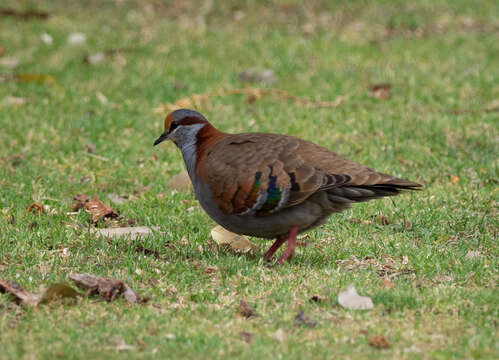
{"x": 173, "y": 126}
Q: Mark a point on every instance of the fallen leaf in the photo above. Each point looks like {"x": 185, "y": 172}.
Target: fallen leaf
{"x": 51, "y": 293}
{"x": 34, "y": 78}
{"x": 99, "y": 210}
{"x": 95, "y": 58}
{"x": 317, "y": 298}
{"x": 472, "y": 254}
{"x": 210, "y": 270}
{"x": 388, "y": 284}
{"x": 116, "y": 199}
{"x": 246, "y": 336}
{"x": 280, "y": 335}
{"x": 383, "y": 220}
{"x": 142, "y": 250}
{"x": 108, "y": 289}
{"x": 101, "y": 97}
{"x": 90, "y": 147}
{"x": 14, "y": 100}
{"x": 9, "y": 62}
{"x": 76, "y": 38}
{"x": 36, "y": 208}
{"x": 57, "y": 291}
{"x": 492, "y": 106}
{"x": 454, "y": 179}
{"x": 379, "y": 342}
{"x": 131, "y": 233}
{"x": 180, "y": 182}
{"x": 47, "y": 39}
{"x": 380, "y": 91}
{"x": 351, "y": 300}
{"x": 245, "y": 310}
{"x": 21, "y": 296}
{"x": 302, "y": 320}
{"x": 26, "y": 14}
{"x": 238, "y": 243}
{"x": 79, "y": 202}
{"x": 254, "y": 75}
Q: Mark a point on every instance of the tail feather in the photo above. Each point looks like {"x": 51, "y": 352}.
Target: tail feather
{"x": 359, "y": 193}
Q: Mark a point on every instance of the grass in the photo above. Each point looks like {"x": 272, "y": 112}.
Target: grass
{"x": 437, "y": 127}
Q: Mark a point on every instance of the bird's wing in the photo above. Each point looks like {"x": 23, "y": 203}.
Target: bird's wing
{"x": 262, "y": 173}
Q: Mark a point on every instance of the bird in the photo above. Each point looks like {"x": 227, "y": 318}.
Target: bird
{"x": 268, "y": 185}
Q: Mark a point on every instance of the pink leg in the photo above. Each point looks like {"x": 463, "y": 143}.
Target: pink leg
{"x": 287, "y": 255}
{"x": 277, "y": 244}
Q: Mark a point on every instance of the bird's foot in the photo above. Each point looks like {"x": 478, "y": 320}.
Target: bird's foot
{"x": 287, "y": 255}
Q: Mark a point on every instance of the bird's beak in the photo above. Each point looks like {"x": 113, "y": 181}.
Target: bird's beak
{"x": 162, "y": 137}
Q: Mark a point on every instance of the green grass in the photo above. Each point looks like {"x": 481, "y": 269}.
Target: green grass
{"x": 440, "y": 57}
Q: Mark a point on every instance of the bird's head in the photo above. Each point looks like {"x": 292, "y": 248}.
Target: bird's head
{"x": 182, "y": 126}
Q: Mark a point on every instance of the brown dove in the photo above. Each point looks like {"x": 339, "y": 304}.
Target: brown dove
{"x": 269, "y": 185}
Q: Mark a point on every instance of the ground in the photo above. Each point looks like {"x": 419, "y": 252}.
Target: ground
{"x": 428, "y": 259}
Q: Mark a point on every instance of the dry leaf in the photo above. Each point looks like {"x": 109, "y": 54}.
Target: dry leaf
{"x": 76, "y": 38}
{"x": 90, "y": 147}
{"x": 383, "y": 220}
{"x": 245, "y": 310}
{"x": 317, "y": 298}
{"x": 22, "y": 296}
{"x": 198, "y": 101}
{"x": 388, "y": 284}
{"x": 26, "y": 14}
{"x": 379, "y": 342}
{"x": 9, "y": 62}
{"x": 36, "y": 209}
{"x": 254, "y": 75}
{"x": 302, "y": 320}
{"x": 53, "y": 292}
{"x": 79, "y": 202}
{"x": 116, "y": 199}
{"x": 246, "y": 336}
{"x": 47, "y": 39}
{"x": 472, "y": 254}
{"x": 492, "y": 106}
{"x": 14, "y": 100}
{"x": 180, "y": 182}
{"x": 351, "y": 300}
{"x": 380, "y": 91}
{"x": 99, "y": 210}
{"x": 454, "y": 179}
{"x": 238, "y": 243}
{"x": 131, "y": 233}
{"x": 34, "y": 78}
{"x": 108, "y": 289}
{"x": 95, "y": 58}
{"x": 280, "y": 335}
{"x": 57, "y": 291}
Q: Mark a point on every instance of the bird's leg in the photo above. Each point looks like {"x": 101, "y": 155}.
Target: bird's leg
{"x": 278, "y": 242}
{"x": 290, "y": 250}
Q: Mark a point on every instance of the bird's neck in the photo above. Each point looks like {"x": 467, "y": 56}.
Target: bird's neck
{"x": 201, "y": 137}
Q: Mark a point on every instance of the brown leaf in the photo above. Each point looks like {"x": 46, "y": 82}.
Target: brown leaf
{"x": 302, "y": 320}
{"x": 99, "y": 210}
{"x": 180, "y": 182}
{"x": 57, "y": 291}
{"x": 245, "y": 310}
{"x": 380, "y": 91}
{"x": 388, "y": 284}
{"x": 34, "y": 78}
{"x": 36, "y": 209}
{"x": 26, "y": 14}
{"x": 454, "y": 179}
{"x": 246, "y": 336}
{"x": 379, "y": 342}
{"x": 79, "y": 202}
{"x": 21, "y": 296}
{"x": 108, "y": 289}
{"x": 317, "y": 298}
{"x": 383, "y": 220}
{"x": 90, "y": 147}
